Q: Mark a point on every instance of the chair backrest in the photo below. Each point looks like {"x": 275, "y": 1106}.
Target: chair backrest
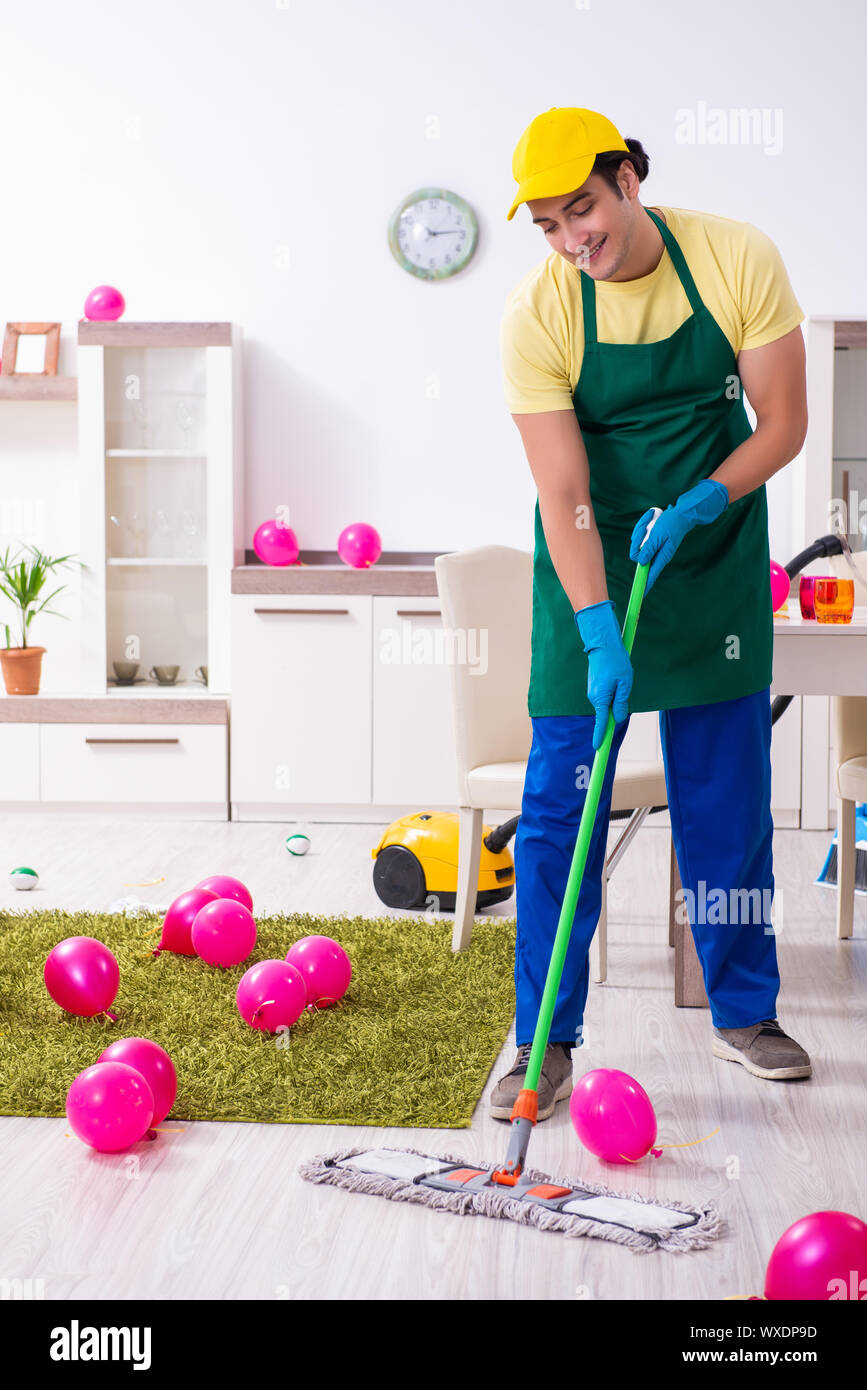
{"x": 487, "y": 607}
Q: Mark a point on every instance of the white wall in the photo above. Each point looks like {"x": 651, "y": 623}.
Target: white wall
{"x": 237, "y": 160}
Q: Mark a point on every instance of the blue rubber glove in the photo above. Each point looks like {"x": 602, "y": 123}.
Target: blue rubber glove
{"x": 701, "y": 505}
{"x": 610, "y": 674}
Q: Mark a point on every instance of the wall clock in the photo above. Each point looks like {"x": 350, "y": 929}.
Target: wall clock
{"x": 433, "y": 233}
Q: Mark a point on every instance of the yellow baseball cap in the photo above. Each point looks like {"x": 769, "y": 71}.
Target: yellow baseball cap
{"x": 557, "y": 151}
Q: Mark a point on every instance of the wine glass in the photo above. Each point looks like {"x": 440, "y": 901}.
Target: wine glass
{"x": 191, "y": 529}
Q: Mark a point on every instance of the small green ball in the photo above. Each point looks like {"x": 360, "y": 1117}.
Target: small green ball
{"x": 23, "y": 879}
{"x": 297, "y": 844}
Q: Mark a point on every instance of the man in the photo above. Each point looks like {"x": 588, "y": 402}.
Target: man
{"x": 624, "y": 354}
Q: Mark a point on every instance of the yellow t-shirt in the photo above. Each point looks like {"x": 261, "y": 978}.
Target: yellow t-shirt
{"x": 738, "y": 272}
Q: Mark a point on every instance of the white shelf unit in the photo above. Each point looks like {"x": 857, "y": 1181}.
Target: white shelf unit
{"x": 161, "y": 525}
{"x": 832, "y": 465}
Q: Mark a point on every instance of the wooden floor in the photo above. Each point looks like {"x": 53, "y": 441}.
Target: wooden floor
{"x": 219, "y": 1211}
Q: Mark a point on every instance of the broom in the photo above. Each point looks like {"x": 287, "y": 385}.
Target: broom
{"x": 828, "y": 874}
{"x": 515, "y": 1192}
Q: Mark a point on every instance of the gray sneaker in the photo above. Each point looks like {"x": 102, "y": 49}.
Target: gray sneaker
{"x": 764, "y": 1049}
{"x": 555, "y": 1082}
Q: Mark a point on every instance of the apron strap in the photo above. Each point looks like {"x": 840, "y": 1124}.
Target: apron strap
{"x": 588, "y": 284}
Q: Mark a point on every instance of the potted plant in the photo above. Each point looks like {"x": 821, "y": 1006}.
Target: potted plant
{"x": 22, "y": 581}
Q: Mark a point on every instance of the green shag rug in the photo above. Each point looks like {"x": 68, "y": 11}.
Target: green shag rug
{"x": 412, "y": 1042}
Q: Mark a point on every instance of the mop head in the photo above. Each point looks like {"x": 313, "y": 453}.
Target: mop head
{"x": 451, "y": 1184}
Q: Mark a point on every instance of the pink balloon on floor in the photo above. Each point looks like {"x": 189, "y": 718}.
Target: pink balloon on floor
{"x": 154, "y": 1064}
{"x": 226, "y": 887}
{"x": 82, "y": 975}
{"x": 105, "y": 303}
{"x": 110, "y": 1106}
{"x": 271, "y": 995}
{"x": 359, "y": 545}
{"x": 275, "y": 544}
{"x": 612, "y": 1115}
{"x": 224, "y": 933}
{"x": 325, "y": 966}
{"x": 822, "y": 1256}
{"x": 780, "y": 584}
{"x": 178, "y": 921}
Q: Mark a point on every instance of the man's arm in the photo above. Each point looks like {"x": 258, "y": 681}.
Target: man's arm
{"x": 558, "y": 461}
{"x": 775, "y": 381}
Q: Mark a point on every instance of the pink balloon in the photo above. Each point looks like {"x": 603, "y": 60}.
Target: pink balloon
{"x": 612, "y": 1115}
{"x": 226, "y": 887}
{"x": 82, "y": 975}
{"x": 271, "y": 994}
{"x": 153, "y": 1063}
{"x": 780, "y": 583}
{"x": 224, "y": 932}
{"x": 104, "y": 303}
{"x": 325, "y": 967}
{"x": 275, "y": 544}
{"x": 823, "y": 1256}
{"x": 109, "y": 1106}
{"x": 178, "y": 921}
{"x": 359, "y": 545}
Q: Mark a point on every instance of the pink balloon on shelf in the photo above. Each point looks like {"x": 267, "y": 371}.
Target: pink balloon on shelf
{"x": 110, "y": 1106}
{"x": 275, "y": 544}
{"x": 178, "y": 921}
{"x": 780, "y": 584}
{"x": 271, "y": 995}
{"x": 82, "y": 975}
{"x": 224, "y": 933}
{"x": 612, "y": 1115}
{"x": 325, "y": 967}
{"x": 822, "y": 1256}
{"x": 359, "y": 545}
{"x": 104, "y": 304}
{"x": 154, "y": 1064}
{"x": 227, "y": 887}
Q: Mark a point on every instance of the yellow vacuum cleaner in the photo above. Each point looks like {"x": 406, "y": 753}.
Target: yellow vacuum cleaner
{"x": 417, "y": 862}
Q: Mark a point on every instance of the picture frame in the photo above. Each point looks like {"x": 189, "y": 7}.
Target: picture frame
{"x": 14, "y": 331}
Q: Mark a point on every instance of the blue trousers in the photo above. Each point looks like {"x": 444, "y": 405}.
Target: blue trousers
{"x": 718, "y": 778}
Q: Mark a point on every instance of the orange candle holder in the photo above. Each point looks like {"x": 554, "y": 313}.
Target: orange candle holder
{"x": 834, "y": 600}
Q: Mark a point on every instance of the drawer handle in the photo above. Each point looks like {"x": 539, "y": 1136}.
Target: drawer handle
{"x": 419, "y": 612}
{"x": 300, "y": 610}
{"x": 132, "y": 740}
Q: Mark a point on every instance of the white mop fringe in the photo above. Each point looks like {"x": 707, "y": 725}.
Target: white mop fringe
{"x": 496, "y": 1202}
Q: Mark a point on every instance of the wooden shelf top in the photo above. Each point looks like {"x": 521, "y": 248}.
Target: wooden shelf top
{"x": 123, "y": 333}
{"x": 117, "y": 708}
{"x": 37, "y": 387}
{"x": 404, "y": 580}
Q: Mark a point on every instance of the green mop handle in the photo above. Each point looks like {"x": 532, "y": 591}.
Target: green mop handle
{"x": 579, "y": 857}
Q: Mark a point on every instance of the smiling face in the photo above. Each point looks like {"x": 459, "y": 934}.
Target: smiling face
{"x": 593, "y": 229}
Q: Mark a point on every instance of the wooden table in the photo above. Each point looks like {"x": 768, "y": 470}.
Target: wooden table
{"x": 816, "y": 661}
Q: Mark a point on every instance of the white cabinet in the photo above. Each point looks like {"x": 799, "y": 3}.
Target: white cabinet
{"x": 137, "y": 764}
{"x": 301, "y": 700}
{"x": 413, "y": 738}
{"x": 19, "y": 762}
{"x": 161, "y": 515}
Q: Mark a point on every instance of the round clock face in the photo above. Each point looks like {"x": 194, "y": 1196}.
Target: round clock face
{"x": 433, "y": 233}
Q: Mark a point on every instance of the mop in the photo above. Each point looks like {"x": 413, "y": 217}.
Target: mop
{"x": 515, "y": 1192}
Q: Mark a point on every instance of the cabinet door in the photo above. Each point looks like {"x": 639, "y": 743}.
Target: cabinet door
{"x": 19, "y": 762}
{"x": 301, "y": 699}
{"x": 413, "y": 731}
{"x": 160, "y": 764}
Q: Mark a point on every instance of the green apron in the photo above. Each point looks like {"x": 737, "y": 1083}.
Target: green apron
{"x": 656, "y": 418}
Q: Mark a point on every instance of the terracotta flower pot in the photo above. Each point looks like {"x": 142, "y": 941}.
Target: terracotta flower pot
{"x": 22, "y": 669}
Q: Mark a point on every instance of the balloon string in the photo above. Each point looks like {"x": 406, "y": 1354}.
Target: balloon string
{"x": 263, "y": 1006}
{"x": 688, "y": 1145}
{"x": 108, "y": 1013}
{"x": 153, "y": 929}
{"x": 150, "y": 883}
